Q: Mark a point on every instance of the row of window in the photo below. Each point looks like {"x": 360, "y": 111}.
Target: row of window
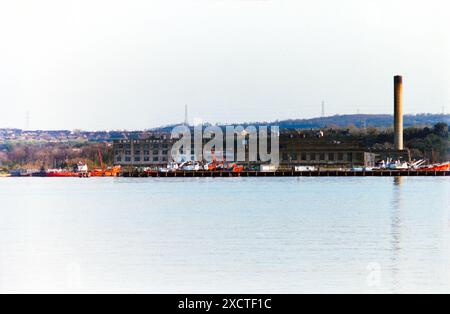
{"x": 146, "y": 152}
{"x": 139, "y": 159}
{"x": 348, "y": 157}
{"x": 146, "y": 146}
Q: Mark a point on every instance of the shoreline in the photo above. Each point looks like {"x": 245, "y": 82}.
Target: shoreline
{"x": 229, "y": 174}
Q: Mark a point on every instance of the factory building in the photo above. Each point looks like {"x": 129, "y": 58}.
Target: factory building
{"x": 297, "y": 148}
{"x": 152, "y": 151}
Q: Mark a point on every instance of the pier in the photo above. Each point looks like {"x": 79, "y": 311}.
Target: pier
{"x": 287, "y": 173}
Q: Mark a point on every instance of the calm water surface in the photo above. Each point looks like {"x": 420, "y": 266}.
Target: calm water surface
{"x": 233, "y": 235}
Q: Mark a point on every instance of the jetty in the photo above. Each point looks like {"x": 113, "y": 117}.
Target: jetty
{"x": 286, "y": 173}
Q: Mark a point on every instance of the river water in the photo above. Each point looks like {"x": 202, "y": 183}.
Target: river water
{"x": 225, "y": 235}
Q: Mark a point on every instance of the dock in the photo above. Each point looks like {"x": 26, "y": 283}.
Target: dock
{"x": 287, "y": 173}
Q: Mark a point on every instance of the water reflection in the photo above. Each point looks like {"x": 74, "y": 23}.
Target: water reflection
{"x": 396, "y": 235}
{"x": 231, "y": 236}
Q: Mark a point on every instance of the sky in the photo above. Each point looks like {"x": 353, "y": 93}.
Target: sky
{"x": 135, "y": 64}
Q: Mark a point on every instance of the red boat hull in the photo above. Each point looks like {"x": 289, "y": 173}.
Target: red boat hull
{"x": 63, "y": 174}
{"x": 443, "y": 167}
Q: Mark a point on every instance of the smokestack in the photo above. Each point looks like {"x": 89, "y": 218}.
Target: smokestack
{"x": 398, "y": 112}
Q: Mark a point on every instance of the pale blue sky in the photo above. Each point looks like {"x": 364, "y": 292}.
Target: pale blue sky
{"x": 109, "y": 64}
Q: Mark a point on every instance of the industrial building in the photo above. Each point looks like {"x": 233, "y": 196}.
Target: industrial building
{"x": 297, "y": 148}
{"x": 294, "y": 150}
{"x": 152, "y": 151}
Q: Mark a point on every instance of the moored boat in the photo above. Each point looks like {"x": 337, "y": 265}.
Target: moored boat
{"x": 80, "y": 170}
{"x": 61, "y": 174}
{"x": 437, "y": 167}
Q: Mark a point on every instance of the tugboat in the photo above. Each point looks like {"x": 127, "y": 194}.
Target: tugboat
{"x": 80, "y": 170}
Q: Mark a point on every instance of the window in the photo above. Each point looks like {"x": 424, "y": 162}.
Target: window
{"x": 349, "y": 157}
{"x": 127, "y": 159}
{"x": 146, "y": 159}
{"x": 164, "y": 152}
{"x": 294, "y": 156}
{"x": 137, "y": 159}
{"x": 322, "y": 156}
{"x": 341, "y": 156}
{"x": 128, "y": 152}
{"x": 119, "y": 159}
{"x": 331, "y": 156}
{"x": 312, "y": 156}
{"x": 137, "y": 152}
{"x": 304, "y": 156}
{"x": 117, "y": 152}
{"x": 155, "y": 152}
{"x": 285, "y": 156}
{"x": 164, "y": 159}
{"x": 155, "y": 159}
{"x": 146, "y": 152}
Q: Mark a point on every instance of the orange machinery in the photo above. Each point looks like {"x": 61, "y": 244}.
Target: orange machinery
{"x": 236, "y": 168}
{"x": 214, "y": 165}
{"x": 105, "y": 171}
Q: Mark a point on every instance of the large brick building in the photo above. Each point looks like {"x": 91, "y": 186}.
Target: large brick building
{"x": 153, "y": 151}
{"x": 324, "y": 153}
{"x": 296, "y": 149}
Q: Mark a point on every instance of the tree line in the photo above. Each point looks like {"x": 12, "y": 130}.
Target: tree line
{"x": 54, "y": 155}
{"x": 431, "y": 143}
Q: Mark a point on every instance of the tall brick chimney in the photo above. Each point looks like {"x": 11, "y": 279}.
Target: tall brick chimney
{"x": 398, "y": 112}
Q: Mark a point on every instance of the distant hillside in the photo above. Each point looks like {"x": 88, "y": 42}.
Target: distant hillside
{"x": 358, "y": 120}
{"x": 342, "y": 121}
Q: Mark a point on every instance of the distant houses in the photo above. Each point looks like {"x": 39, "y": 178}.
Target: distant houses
{"x": 338, "y": 121}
